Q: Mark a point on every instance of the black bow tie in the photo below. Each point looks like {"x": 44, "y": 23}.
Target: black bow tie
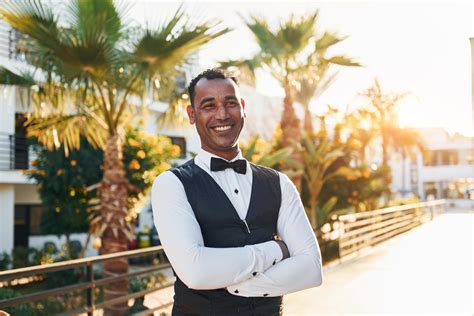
{"x": 239, "y": 165}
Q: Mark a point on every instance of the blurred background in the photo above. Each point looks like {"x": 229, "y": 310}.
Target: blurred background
{"x": 368, "y": 107}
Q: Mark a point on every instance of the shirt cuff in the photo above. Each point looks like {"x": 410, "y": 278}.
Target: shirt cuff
{"x": 270, "y": 252}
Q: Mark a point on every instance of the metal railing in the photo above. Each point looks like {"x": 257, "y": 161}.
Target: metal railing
{"x": 90, "y": 283}
{"x": 360, "y": 230}
{"x": 9, "y": 39}
{"x": 15, "y": 152}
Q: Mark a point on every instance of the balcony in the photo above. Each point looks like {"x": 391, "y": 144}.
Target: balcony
{"x": 9, "y": 43}
{"x": 16, "y": 155}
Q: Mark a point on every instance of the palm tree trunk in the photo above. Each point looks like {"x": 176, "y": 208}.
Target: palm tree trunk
{"x": 312, "y": 214}
{"x": 308, "y": 122}
{"x": 291, "y": 130}
{"x": 362, "y": 154}
{"x": 86, "y": 244}
{"x": 113, "y": 195}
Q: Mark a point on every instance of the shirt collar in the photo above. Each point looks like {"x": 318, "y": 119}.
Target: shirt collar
{"x": 205, "y": 157}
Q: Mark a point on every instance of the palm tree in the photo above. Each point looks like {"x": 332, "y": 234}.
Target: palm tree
{"x": 405, "y": 140}
{"x": 384, "y": 106}
{"x": 95, "y": 69}
{"x": 318, "y": 156}
{"x": 361, "y": 123}
{"x": 315, "y": 77}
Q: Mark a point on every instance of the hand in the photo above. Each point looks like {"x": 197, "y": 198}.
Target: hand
{"x": 284, "y": 249}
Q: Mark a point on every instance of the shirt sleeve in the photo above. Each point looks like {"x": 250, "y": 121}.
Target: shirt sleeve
{"x": 201, "y": 267}
{"x": 303, "y": 269}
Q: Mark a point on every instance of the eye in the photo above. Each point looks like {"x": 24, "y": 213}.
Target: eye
{"x": 208, "y": 106}
{"x": 232, "y": 103}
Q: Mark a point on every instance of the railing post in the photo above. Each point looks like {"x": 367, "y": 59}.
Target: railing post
{"x": 90, "y": 290}
{"x": 341, "y": 234}
{"x": 11, "y": 139}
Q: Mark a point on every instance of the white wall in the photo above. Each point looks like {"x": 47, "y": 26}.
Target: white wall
{"x": 14, "y": 176}
{"x": 7, "y": 109}
{"x": 446, "y": 173}
{"x": 7, "y": 215}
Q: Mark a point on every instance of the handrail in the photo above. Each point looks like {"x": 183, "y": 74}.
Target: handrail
{"x": 361, "y": 230}
{"x": 391, "y": 209}
{"x": 63, "y": 265}
{"x": 90, "y": 283}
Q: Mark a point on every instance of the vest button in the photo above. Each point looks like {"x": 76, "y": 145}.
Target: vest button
{"x": 236, "y": 291}
{"x": 236, "y": 191}
{"x": 254, "y": 274}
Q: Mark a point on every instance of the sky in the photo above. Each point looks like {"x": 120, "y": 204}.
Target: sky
{"x": 418, "y": 48}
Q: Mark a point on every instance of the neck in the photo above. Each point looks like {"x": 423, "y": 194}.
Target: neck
{"x": 227, "y": 155}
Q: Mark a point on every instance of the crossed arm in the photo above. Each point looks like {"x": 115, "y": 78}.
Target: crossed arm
{"x": 249, "y": 269}
{"x": 303, "y": 269}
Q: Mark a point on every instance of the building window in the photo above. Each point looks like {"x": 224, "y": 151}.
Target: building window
{"x": 35, "y": 219}
{"x": 441, "y": 158}
{"x": 431, "y": 191}
{"x": 27, "y": 223}
{"x": 181, "y": 142}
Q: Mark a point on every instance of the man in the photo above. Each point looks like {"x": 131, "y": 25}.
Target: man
{"x": 218, "y": 217}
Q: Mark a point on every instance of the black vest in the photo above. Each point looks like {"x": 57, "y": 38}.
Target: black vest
{"x": 222, "y": 227}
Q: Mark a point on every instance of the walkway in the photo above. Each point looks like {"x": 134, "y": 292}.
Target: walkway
{"x": 427, "y": 270}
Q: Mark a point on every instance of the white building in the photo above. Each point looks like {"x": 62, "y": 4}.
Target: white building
{"x": 445, "y": 171}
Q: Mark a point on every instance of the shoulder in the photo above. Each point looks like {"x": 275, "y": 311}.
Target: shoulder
{"x": 164, "y": 181}
{"x": 171, "y": 180}
{"x": 185, "y": 169}
{"x": 288, "y": 188}
{"x": 265, "y": 170}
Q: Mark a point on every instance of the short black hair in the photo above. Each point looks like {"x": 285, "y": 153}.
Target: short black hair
{"x": 209, "y": 74}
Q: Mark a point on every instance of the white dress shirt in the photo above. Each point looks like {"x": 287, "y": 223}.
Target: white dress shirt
{"x": 253, "y": 270}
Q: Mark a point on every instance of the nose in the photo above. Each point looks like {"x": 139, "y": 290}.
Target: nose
{"x": 222, "y": 113}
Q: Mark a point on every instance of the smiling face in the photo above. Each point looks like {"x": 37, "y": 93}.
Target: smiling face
{"x": 218, "y": 113}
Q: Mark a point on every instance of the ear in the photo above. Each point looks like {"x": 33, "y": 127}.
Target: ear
{"x": 190, "y": 111}
{"x": 243, "y": 106}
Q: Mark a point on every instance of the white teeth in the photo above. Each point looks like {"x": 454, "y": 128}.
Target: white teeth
{"x": 222, "y": 128}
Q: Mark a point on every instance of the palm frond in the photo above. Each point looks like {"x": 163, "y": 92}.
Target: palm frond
{"x": 272, "y": 159}
{"x": 167, "y": 47}
{"x": 7, "y": 77}
{"x": 67, "y": 52}
{"x": 327, "y": 40}
{"x": 34, "y": 19}
{"x": 89, "y": 16}
{"x": 344, "y": 61}
{"x": 266, "y": 39}
{"x": 246, "y": 68}
{"x": 58, "y": 129}
{"x": 296, "y": 33}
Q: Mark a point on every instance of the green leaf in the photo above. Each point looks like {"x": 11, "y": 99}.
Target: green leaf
{"x": 343, "y": 61}
{"x": 8, "y": 77}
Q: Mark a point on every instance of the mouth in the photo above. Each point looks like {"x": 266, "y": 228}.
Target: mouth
{"x": 221, "y": 128}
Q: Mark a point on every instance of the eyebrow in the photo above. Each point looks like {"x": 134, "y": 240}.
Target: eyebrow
{"x": 206, "y": 100}
{"x": 227, "y": 97}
